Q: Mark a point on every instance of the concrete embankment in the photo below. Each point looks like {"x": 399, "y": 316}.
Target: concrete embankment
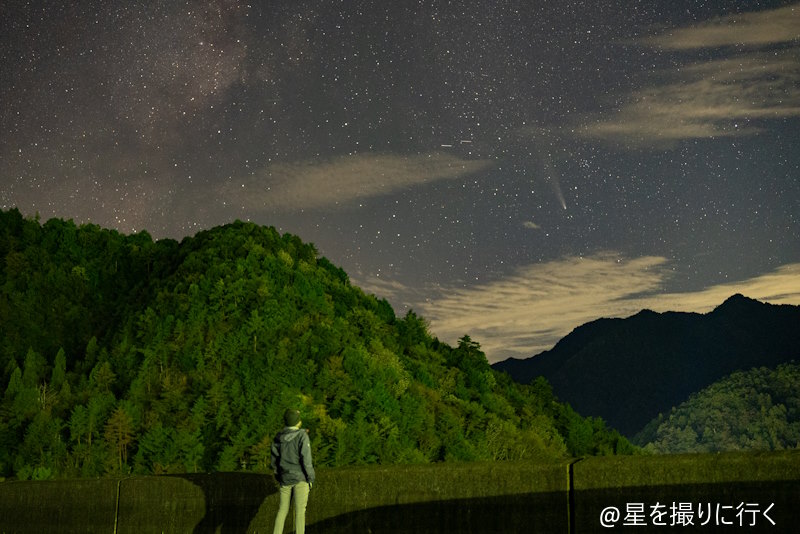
{"x": 688, "y": 493}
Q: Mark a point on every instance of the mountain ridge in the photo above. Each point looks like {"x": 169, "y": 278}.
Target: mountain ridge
{"x": 628, "y": 370}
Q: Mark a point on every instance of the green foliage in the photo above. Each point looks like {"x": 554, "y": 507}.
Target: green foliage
{"x": 753, "y": 410}
{"x": 128, "y": 355}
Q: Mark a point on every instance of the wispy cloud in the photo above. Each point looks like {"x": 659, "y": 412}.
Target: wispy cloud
{"x": 529, "y": 311}
{"x": 760, "y": 28}
{"x": 714, "y": 98}
{"x": 342, "y": 181}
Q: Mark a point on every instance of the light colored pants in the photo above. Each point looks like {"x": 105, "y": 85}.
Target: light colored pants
{"x": 300, "y": 493}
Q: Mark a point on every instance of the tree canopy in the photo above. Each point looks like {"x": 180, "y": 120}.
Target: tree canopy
{"x": 120, "y": 354}
{"x": 757, "y": 409}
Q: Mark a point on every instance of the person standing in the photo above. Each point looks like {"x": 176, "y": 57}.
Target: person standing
{"x": 292, "y": 465}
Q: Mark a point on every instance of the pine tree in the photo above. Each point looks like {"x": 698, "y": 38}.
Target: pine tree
{"x": 119, "y": 434}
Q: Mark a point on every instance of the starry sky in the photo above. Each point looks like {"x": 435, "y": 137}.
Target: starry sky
{"x": 507, "y": 169}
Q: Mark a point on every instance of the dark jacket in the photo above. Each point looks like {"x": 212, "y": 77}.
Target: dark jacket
{"x": 291, "y": 457}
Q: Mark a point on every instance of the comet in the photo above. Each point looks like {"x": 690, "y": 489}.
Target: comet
{"x": 551, "y": 177}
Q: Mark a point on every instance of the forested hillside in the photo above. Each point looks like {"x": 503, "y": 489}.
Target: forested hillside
{"x": 757, "y": 409}
{"x": 119, "y": 354}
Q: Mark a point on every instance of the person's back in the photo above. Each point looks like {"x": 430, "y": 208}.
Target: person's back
{"x": 293, "y": 461}
{"x": 294, "y": 469}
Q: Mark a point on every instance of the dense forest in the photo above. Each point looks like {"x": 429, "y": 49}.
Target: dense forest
{"x": 121, "y": 354}
{"x": 757, "y": 409}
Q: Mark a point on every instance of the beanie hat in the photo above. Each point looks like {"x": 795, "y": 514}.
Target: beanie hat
{"x": 291, "y": 417}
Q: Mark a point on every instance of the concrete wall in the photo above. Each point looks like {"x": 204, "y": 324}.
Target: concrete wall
{"x": 76, "y": 504}
{"x": 714, "y": 487}
{"x": 567, "y": 496}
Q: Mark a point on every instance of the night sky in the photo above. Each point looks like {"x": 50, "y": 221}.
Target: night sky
{"x": 506, "y": 169}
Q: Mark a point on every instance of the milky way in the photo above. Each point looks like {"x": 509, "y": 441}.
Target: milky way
{"x": 508, "y": 169}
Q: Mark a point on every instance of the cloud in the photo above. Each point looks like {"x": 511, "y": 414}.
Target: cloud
{"x": 760, "y": 28}
{"x": 781, "y": 286}
{"x": 530, "y": 310}
{"x": 714, "y": 98}
{"x": 342, "y": 181}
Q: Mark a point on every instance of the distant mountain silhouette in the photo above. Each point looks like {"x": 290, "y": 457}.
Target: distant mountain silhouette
{"x": 627, "y": 371}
